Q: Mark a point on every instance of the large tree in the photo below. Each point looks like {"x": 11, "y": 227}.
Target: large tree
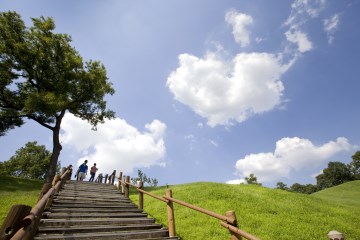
{"x": 42, "y": 77}
{"x": 336, "y": 173}
{"x": 354, "y": 166}
{"x": 31, "y": 161}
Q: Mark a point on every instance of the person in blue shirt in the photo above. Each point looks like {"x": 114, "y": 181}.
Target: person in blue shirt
{"x": 82, "y": 171}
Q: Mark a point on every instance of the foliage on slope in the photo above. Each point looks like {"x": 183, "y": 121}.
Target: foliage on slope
{"x": 263, "y": 212}
{"x": 14, "y": 190}
{"x": 344, "y": 194}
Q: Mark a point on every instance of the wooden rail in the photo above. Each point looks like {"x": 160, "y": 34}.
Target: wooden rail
{"x": 228, "y": 221}
{"x": 28, "y": 226}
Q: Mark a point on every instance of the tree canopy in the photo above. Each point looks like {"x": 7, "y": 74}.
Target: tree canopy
{"x": 252, "y": 179}
{"x": 42, "y": 77}
{"x": 336, "y": 173}
{"x": 31, "y": 161}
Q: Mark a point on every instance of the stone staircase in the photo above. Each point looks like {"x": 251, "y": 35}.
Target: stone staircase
{"x": 83, "y": 210}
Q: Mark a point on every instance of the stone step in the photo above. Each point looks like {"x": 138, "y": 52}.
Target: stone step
{"x": 97, "y": 221}
{"x": 95, "y": 205}
{"x": 91, "y": 202}
{"x": 95, "y": 194}
{"x": 91, "y": 199}
{"x": 90, "y": 190}
{"x": 92, "y": 215}
{"x": 97, "y": 228}
{"x": 84, "y": 210}
{"x": 147, "y": 234}
{"x": 90, "y": 210}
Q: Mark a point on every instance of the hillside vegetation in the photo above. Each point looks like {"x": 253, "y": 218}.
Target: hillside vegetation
{"x": 15, "y": 190}
{"x": 263, "y": 212}
{"x": 344, "y": 194}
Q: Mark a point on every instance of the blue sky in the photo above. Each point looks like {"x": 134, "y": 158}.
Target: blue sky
{"x": 211, "y": 90}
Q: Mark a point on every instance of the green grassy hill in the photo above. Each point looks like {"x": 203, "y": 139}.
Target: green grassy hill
{"x": 262, "y": 212}
{"x": 17, "y": 191}
{"x": 344, "y": 194}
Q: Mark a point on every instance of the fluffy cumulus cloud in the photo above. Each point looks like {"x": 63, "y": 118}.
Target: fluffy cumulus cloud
{"x": 226, "y": 91}
{"x": 239, "y": 22}
{"x": 290, "y": 154}
{"x": 116, "y": 144}
{"x": 331, "y": 26}
{"x": 300, "y": 38}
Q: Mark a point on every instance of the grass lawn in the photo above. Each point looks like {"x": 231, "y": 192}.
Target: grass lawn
{"x": 263, "y": 212}
{"x": 17, "y": 191}
{"x": 345, "y": 194}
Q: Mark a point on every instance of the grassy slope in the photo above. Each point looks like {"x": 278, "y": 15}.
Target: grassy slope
{"x": 17, "y": 191}
{"x": 345, "y": 194}
{"x": 265, "y": 213}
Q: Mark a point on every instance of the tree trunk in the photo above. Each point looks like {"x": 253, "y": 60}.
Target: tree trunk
{"x": 56, "y": 149}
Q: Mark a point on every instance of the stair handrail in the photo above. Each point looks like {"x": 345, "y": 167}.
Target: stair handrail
{"x": 228, "y": 221}
{"x": 30, "y": 223}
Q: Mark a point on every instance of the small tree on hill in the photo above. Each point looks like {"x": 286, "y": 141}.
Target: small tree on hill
{"x": 252, "y": 179}
{"x": 31, "y": 161}
{"x": 281, "y": 185}
{"x": 146, "y": 180}
{"x": 42, "y": 78}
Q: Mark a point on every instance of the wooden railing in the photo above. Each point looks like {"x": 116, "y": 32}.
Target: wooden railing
{"x": 22, "y": 222}
{"x": 228, "y": 220}
{"x": 18, "y": 227}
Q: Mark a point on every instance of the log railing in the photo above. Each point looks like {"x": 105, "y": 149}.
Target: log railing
{"x": 228, "y": 220}
{"x": 25, "y": 228}
{"x": 18, "y": 227}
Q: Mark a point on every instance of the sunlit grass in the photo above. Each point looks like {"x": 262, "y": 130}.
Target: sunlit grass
{"x": 17, "y": 191}
{"x": 345, "y": 194}
{"x": 263, "y": 212}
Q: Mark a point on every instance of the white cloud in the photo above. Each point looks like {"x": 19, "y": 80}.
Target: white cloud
{"x": 224, "y": 92}
{"x": 236, "y": 181}
{"x": 299, "y": 38}
{"x": 214, "y": 143}
{"x": 116, "y": 145}
{"x": 239, "y": 22}
{"x": 191, "y": 141}
{"x": 259, "y": 39}
{"x": 290, "y": 154}
{"x": 331, "y": 26}
{"x": 301, "y": 11}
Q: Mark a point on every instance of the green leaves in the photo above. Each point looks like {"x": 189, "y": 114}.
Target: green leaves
{"x": 30, "y": 161}
{"x": 42, "y": 75}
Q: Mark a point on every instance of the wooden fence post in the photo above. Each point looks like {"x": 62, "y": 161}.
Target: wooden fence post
{"x": 141, "y": 196}
{"x": 170, "y": 213}
{"x": 234, "y": 236}
{"x": 45, "y": 188}
{"x": 12, "y": 221}
{"x": 49, "y": 201}
{"x": 106, "y": 177}
{"x": 127, "y": 187}
{"x": 119, "y": 183}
